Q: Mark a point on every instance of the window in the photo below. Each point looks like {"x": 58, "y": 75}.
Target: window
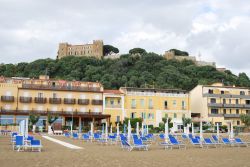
{"x": 214, "y": 111}
{"x": 40, "y": 95}
{"x": 237, "y": 101}
{"x": 242, "y": 93}
{"x": 132, "y": 115}
{"x": 220, "y": 123}
{"x": 210, "y": 91}
{"x": 230, "y": 101}
{"x": 224, "y": 101}
{"x": 237, "y": 111}
{"x": 118, "y": 119}
{"x": 53, "y": 84}
{"x": 230, "y": 111}
{"x": 150, "y": 102}
{"x": 142, "y": 102}
{"x": 222, "y": 92}
{"x": 238, "y": 122}
{"x": 118, "y": 101}
{"x": 174, "y": 103}
{"x": 224, "y": 111}
{"x": 133, "y": 103}
{"x": 143, "y": 115}
{"x": 112, "y": 102}
{"x": 150, "y": 116}
{"x": 247, "y": 111}
{"x": 175, "y": 115}
{"x": 247, "y": 101}
{"x": 183, "y": 104}
{"x": 213, "y": 100}
{"x": 165, "y": 104}
{"x": 54, "y": 95}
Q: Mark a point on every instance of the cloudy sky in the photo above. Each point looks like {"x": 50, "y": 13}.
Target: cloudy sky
{"x": 217, "y": 29}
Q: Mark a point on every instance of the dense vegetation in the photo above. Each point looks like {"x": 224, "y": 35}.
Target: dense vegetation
{"x": 143, "y": 70}
{"x": 179, "y": 52}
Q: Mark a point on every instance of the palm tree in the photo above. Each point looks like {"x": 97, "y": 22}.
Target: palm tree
{"x": 33, "y": 119}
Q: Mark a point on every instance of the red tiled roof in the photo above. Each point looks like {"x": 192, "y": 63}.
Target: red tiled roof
{"x": 112, "y": 91}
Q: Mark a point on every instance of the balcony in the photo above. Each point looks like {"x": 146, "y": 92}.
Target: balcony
{"x": 7, "y": 98}
{"x": 23, "y": 99}
{"x": 55, "y": 100}
{"x": 97, "y": 102}
{"x": 241, "y": 96}
{"x": 232, "y": 115}
{"x": 150, "y": 107}
{"x": 215, "y": 115}
{"x": 133, "y": 107}
{"x": 83, "y": 101}
{"x": 214, "y": 105}
{"x": 247, "y": 105}
{"x": 233, "y": 105}
{"x": 57, "y": 87}
{"x": 40, "y": 100}
{"x": 69, "y": 101}
{"x": 113, "y": 106}
{"x": 217, "y": 95}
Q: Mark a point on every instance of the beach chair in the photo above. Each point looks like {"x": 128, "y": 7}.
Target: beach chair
{"x": 184, "y": 136}
{"x": 208, "y": 142}
{"x": 75, "y": 136}
{"x": 85, "y": 137}
{"x": 125, "y": 145}
{"x": 176, "y": 143}
{"x": 140, "y": 145}
{"x": 239, "y": 142}
{"x": 162, "y": 136}
{"x": 227, "y": 142}
{"x": 67, "y": 134}
{"x": 19, "y": 144}
{"x": 190, "y": 136}
{"x": 112, "y": 139}
{"x": 36, "y": 145}
{"x": 196, "y": 142}
{"x": 166, "y": 145}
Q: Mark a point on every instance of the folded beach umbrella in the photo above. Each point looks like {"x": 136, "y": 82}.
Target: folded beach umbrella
{"x": 166, "y": 130}
{"x": 137, "y": 128}
{"x": 192, "y": 129}
{"x": 201, "y": 133}
{"x": 106, "y": 131}
{"x": 117, "y": 130}
{"x": 92, "y": 129}
{"x": 111, "y": 129}
{"x": 129, "y": 131}
{"x": 232, "y": 131}
{"x": 218, "y": 131}
{"x": 142, "y": 129}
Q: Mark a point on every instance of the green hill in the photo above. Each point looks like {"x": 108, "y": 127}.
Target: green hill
{"x": 147, "y": 70}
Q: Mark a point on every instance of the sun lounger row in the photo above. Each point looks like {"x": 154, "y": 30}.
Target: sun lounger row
{"x": 20, "y": 143}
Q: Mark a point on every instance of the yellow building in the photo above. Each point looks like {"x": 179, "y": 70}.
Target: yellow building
{"x": 219, "y": 104}
{"x": 81, "y": 100}
{"x": 113, "y": 104}
{"x": 154, "y": 104}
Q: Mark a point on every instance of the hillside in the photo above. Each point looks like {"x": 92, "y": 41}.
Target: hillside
{"x": 147, "y": 70}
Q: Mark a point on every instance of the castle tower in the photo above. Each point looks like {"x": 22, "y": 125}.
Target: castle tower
{"x": 62, "y": 50}
{"x": 98, "y": 48}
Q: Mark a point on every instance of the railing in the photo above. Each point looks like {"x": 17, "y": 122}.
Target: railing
{"x": 69, "y": 101}
{"x": 133, "y": 107}
{"x": 226, "y": 96}
{"x": 215, "y": 115}
{"x": 55, "y": 87}
{"x": 214, "y": 105}
{"x": 83, "y": 101}
{"x": 40, "y": 100}
{"x": 232, "y": 115}
{"x": 150, "y": 107}
{"x": 55, "y": 100}
{"x": 7, "y": 98}
{"x": 23, "y": 99}
{"x": 113, "y": 106}
{"x": 97, "y": 102}
{"x": 233, "y": 105}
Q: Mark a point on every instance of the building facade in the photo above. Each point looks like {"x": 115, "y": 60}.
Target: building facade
{"x": 219, "y": 104}
{"x": 89, "y": 50}
{"x": 154, "y": 104}
{"x": 81, "y": 101}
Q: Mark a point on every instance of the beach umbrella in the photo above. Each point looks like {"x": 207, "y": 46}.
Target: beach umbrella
{"x": 103, "y": 129}
{"x": 129, "y": 131}
{"x": 142, "y": 129}
{"x": 137, "y": 128}
{"x": 228, "y": 127}
{"x": 117, "y": 130}
{"x": 187, "y": 129}
{"x": 147, "y": 129}
{"x": 92, "y": 129}
{"x": 201, "y": 134}
{"x": 111, "y": 129}
{"x": 218, "y": 131}
{"x": 232, "y": 131}
{"x": 106, "y": 131}
{"x": 166, "y": 129}
{"x": 192, "y": 129}
{"x": 124, "y": 128}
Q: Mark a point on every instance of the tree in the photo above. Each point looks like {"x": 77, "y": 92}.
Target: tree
{"x": 107, "y": 49}
{"x": 186, "y": 121}
{"x": 179, "y": 52}
{"x": 243, "y": 80}
{"x": 33, "y": 119}
{"x": 52, "y": 119}
{"x": 245, "y": 119}
{"x": 133, "y": 121}
{"x": 137, "y": 51}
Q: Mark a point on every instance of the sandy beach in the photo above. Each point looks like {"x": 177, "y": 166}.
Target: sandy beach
{"x": 93, "y": 154}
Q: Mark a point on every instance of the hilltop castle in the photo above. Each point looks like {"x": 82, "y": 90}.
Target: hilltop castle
{"x": 95, "y": 50}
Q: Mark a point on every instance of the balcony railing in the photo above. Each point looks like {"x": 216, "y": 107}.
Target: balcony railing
{"x": 55, "y": 100}
{"x": 97, "y": 102}
{"x": 226, "y": 96}
{"x": 113, "y": 106}
{"x": 23, "y": 99}
{"x": 150, "y": 107}
{"x": 83, "y": 101}
{"x": 215, "y": 115}
{"x": 69, "y": 101}
{"x": 40, "y": 100}
{"x": 133, "y": 106}
{"x": 232, "y": 115}
{"x": 233, "y": 105}
{"x": 69, "y": 88}
{"x": 7, "y": 98}
{"x": 247, "y": 105}
{"x": 214, "y": 105}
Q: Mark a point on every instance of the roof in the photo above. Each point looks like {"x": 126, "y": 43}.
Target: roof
{"x": 112, "y": 91}
{"x": 155, "y": 90}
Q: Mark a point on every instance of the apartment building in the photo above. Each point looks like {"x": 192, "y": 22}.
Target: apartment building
{"x": 154, "y": 104}
{"x": 81, "y": 101}
{"x": 219, "y": 104}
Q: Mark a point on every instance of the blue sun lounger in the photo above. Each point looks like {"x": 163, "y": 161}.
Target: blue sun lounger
{"x": 36, "y": 145}
{"x": 208, "y": 142}
{"x": 196, "y": 142}
{"x": 75, "y": 136}
{"x": 176, "y": 143}
{"x": 227, "y": 142}
{"x": 19, "y": 144}
{"x": 85, "y": 137}
{"x": 239, "y": 142}
{"x": 137, "y": 145}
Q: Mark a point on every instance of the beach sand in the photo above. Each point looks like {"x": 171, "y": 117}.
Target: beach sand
{"x": 95, "y": 155}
